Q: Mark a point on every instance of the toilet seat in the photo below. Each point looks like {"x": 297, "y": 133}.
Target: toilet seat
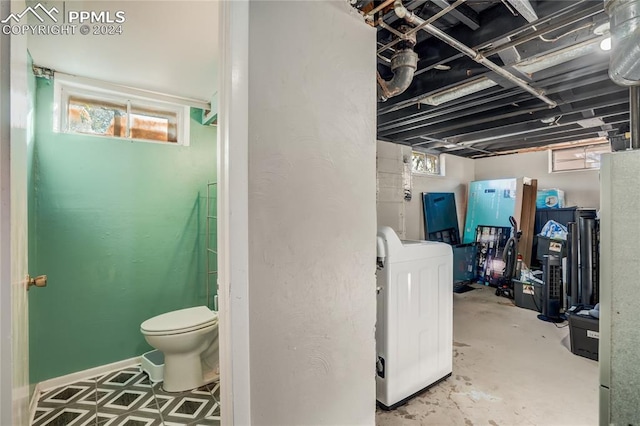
{"x": 180, "y": 321}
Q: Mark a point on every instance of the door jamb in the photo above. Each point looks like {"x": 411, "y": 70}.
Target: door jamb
{"x": 232, "y": 212}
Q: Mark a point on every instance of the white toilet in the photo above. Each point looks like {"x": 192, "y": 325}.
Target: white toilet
{"x": 188, "y": 338}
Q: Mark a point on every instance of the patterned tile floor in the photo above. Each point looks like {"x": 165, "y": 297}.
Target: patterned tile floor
{"x": 127, "y": 398}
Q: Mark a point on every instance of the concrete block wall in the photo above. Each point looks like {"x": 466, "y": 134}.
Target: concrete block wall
{"x": 394, "y": 172}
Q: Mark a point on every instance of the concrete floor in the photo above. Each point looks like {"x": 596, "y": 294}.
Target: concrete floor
{"x": 509, "y": 368}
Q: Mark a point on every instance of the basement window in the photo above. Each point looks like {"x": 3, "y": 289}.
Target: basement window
{"x": 578, "y": 158}
{"x": 425, "y": 163}
{"x": 111, "y": 111}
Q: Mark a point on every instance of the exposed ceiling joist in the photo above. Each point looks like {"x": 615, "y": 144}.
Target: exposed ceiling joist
{"x": 452, "y": 100}
{"x": 463, "y": 13}
{"x": 525, "y": 9}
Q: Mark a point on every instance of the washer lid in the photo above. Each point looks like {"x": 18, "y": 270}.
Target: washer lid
{"x": 179, "y": 320}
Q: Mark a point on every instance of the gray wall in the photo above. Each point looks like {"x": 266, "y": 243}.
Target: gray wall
{"x": 406, "y": 217}
{"x": 619, "y": 330}
{"x": 581, "y": 188}
{"x": 312, "y": 226}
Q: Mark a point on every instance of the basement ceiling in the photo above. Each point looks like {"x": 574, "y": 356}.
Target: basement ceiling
{"x": 459, "y": 106}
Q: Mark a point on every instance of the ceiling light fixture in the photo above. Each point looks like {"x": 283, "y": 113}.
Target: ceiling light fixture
{"x": 538, "y": 63}
{"x": 442, "y": 67}
{"x": 459, "y": 91}
{"x": 605, "y": 44}
{"x": 529, "y": 66}
{"x": 603, "y": 30}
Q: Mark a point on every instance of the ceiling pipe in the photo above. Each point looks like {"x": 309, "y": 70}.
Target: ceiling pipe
{"x": 403, "y": 65}
{"x": 369, "y": 15}
{"x": 413, "y": 19}
{"x": 571, "y": 19}
{"x": 428, "y": 21}
{"x": 624, "y": 66}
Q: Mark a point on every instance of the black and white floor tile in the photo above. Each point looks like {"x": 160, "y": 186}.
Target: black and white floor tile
{"x": 127, "y": 398}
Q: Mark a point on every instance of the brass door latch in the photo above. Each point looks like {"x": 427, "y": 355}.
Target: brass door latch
{"x": 39, "y": 281}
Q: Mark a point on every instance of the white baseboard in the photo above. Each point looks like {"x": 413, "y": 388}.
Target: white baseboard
{"x": 56, "y": 382}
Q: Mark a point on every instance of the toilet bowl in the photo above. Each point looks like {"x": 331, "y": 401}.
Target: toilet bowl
{"x": 188, "y": 338}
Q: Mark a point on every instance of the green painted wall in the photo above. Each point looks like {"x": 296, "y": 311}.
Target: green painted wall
{"x": 120, "y": 232}
{"x": 31, "y": 96}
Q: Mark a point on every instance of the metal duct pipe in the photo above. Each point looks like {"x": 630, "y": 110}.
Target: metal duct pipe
{"x": 413, "y": 19}
{"x": 624, "y": 66}
{"x": 403, "y": 64}
{"x": 634, "y": 116}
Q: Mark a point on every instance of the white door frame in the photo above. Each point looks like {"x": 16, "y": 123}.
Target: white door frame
{"x": 232, "y": 212}
{"x": 232, "y": 231}
{"x": 6, "y": 347}
{"x": 14, "y": 124}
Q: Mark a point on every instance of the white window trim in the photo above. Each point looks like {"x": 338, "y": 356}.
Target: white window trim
{"x": 65, "y": 85}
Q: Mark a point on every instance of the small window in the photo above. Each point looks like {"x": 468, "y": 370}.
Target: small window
{"x": 113, "y": 113}
{"x": 578, "y": 158}
{"x": 96, "y": 117}
{"x": 422, "y": 162}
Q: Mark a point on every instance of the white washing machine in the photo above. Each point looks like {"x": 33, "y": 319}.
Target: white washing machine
{"x": 414, "y": 330}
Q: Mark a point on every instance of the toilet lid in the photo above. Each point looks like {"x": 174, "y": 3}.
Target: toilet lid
{"x": 179, "y": 320}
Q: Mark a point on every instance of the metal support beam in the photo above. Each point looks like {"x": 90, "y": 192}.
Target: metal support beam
{"x": 491, "y": 103}
{"x": 460, "y": 124}
{"x": 524, "y": 8}
{"x": 464, "y": 14}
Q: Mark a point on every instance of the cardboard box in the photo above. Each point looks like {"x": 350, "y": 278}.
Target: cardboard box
{"x": 584, "y": 332}
{"x": 550, "y": 199}
{"x": 490, "y": 242}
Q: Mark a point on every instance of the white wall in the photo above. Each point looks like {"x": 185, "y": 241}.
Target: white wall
{"x": 619, "y": 297}
{"x": 581, "y": 188}
{"x": 406, "y": 217}
{"x": 312, "y": 223}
